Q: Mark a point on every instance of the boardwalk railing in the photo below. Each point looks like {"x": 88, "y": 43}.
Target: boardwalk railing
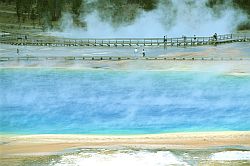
{"x": 181, "y": 41}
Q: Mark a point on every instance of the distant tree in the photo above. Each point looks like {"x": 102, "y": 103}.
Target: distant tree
{"x": 243, "y": 4}
{"x": 148, "y": 4}
{"x": 117, "y": 12}
{"x": 33, "y": 16}
{"x": 8, "y": 1}
{"x": 19, "y": 10}
{"x": 43, "y": 12}
{"x": 42, "y": 9}
{"x": 76, "y": 7}
{"x": 56, "y": 8}
{"x": 218, "y": 6}
{"x": 214, "y": 3}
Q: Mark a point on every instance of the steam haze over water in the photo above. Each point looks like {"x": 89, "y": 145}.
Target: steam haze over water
{"x": 121, "y": 102}
{"x": 172, "y": 18}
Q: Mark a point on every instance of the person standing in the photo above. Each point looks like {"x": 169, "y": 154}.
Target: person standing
{"x": 194, "y": 41}
{"x": 165, "y": 39}
{"x": 215, "y": 36}
{"x": 135, "y": 51}
{"x": 184, "y": 38}
{"x": 143, "y": 53}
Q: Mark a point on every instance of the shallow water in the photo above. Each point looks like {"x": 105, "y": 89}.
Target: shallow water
{"x": 243, "y": 49}
{"x": 10, "y": 50}
{"x": 36, "y": 101}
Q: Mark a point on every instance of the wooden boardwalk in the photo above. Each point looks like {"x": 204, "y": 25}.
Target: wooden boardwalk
{"x": 122, "y": 42}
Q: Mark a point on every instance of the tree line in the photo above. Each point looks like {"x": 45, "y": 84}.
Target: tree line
{"x": 46, "y": 13}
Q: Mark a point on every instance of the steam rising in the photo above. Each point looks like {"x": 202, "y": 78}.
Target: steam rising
{"x": 121, "y": 102}
{"x": 140, "y": 158}
{"x": 231, "y": 155}
{"x": 172, "y": 18}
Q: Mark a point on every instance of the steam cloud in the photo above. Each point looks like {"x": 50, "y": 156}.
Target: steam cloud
{"x": 171, "y": 18}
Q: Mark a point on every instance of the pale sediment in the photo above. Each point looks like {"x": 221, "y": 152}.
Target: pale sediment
{"x": 236, "y": 68}
{"x": 48, "y": 144}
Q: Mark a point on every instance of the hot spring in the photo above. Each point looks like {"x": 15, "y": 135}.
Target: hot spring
{"x": 44, "y": 101}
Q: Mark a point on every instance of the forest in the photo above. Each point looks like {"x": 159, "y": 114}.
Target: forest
{"x": 47, "y": 13}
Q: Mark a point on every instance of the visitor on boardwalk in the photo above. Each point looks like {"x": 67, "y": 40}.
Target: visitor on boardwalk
{"x": 194, "y": 40}
{"x": 215, "y": 36}
{"x": 184, "y": 38}
{"x": 143, "y": 53}
{"x": 135, "y": 51}
{"x": 194, "y": 37}
{"x": 165, "y": 39}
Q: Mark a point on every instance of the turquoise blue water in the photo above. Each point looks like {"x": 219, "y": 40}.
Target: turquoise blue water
{"x": 39, "y": 101}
